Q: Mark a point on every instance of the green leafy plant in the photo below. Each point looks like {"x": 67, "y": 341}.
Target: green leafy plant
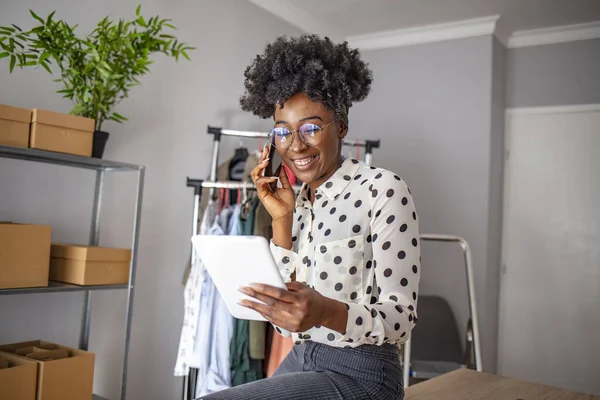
{"x": 98, "y": 70}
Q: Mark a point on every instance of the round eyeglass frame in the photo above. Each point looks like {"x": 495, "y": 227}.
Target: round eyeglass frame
{"x": 295, "y": 133}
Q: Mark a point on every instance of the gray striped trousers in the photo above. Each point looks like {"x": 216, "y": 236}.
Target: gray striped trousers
{"x": 318, "y": 371}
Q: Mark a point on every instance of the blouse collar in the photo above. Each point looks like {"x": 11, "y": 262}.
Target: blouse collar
{"x": 335, "y": 185}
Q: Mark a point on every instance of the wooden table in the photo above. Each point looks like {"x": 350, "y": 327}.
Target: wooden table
{"x": 466, "y": 384}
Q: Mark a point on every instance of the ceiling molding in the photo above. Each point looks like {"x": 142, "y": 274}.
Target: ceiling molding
{"x": 577, "y": 108}
{"x": 301, "y": 19}
{"x": 425, "y": 34}
{"x": 556, "y": 34}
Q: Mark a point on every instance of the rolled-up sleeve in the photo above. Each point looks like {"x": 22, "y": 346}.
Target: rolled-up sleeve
{"x": 388, "y": 311}
{"x": 286, "y": 261}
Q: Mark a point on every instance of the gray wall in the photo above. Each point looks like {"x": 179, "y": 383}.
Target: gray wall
{"x": 554, "y": 75}
{"x": 431, "y": 105}
{"x": 166, "y": 132}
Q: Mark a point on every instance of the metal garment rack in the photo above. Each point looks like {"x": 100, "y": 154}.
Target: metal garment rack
{"x": 101, "y": 167}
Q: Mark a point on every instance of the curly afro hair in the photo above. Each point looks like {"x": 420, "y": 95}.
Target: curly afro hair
{"x": 330, "y": 73}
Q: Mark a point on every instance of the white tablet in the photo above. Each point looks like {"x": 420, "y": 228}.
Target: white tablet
{"x": 237, "y": 261}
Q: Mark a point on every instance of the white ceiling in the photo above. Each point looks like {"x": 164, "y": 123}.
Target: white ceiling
{"x": 343, "y": 18}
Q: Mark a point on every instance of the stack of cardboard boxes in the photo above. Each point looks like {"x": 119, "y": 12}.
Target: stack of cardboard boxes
{"x": 41, "y": 370}
{"x": 28, "y": 259}
{"x": 46, "y": 130}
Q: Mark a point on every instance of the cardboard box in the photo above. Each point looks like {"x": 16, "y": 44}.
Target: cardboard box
{"x": 18, "y": 378}
{"x": 87, "y": 273}
{"x": 62, "y": 133}
{"x": 24, "y": 255}
{"x": 59, "y": 378}
{"x": 89, "y": 265}
{"x": 90, "y": 253}
{"x": 14, "y": 126}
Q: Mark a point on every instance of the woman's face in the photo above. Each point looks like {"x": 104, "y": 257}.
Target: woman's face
{"x": 311, "y": 164}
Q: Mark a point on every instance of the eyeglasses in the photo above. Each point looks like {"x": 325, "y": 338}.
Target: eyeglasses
{"x": 310, "y": 134}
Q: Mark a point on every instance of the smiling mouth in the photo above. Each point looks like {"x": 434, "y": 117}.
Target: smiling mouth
{"x": 305, "y": 162}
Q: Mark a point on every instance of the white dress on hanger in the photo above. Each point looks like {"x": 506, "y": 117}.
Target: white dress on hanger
{"x": 191, "y": 296}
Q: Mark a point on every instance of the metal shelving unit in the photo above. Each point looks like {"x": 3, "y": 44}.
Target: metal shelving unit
{"x": 101, "y": 167}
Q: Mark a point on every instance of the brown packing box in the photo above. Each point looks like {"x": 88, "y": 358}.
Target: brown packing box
{"x": 24, "y": 255}
{"x": 14, "y": 126}
{"x": 18, "y": 381}
{"x": 87, "y": 273}
{"x": 89, "y": 265}
{"x": 90, "y": 253}
{"x": 62, "y": 133}
{"x": 70, "y": 378}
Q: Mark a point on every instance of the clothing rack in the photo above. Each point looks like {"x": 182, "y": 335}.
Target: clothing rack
{"x": 189, "y": 388}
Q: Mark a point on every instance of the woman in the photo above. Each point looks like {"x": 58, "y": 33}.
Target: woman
{"x": 347, "y": 246}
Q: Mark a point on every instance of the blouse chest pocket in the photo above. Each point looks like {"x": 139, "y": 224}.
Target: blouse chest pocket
{"x": 338, "y": 268}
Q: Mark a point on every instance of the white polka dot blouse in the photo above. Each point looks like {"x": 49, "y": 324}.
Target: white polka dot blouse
{"x": 358, "y": 244}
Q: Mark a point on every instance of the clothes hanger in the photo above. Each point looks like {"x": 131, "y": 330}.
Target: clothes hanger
{"x": 223, "y": 199}
{"x": 240, "y": 154}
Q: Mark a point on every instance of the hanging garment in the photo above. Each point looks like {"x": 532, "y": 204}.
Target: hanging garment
{"x": 236, "y": 170}
{"x": 214, "y": 332}
{"x": 235, "y": 226}
{"x": 191, "y": 296}
{"x": 278, "y": 350}
{"x": 257, "y": 331}
{"x": 245, "y": 369}
{"x": 225, "y": 219}
{"x": 262, "y": 227}
{"x": 262, "y": 223}
{"x": 222, "y": 175}
{"x": 251, "y": 162}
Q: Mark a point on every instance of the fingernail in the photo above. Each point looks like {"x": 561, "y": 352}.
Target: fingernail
{"x": 254, "y": 286}
{"x": 266, "y": 159}
{"x": 243, "y": 290}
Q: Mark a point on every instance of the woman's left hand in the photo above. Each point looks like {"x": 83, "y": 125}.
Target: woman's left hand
{"x": 297, "y": 309}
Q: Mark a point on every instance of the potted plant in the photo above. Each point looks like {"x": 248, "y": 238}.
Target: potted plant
{"x": 98, "y": 70}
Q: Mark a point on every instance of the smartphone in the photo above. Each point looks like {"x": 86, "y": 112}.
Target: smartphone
{"x": 275, "y": 163}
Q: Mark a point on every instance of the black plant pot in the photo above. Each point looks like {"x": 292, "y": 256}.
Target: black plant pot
{"x": 100, "y": 139}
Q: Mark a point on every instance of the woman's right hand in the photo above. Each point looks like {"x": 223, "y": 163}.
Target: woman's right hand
{"x": 278, "y": 202}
